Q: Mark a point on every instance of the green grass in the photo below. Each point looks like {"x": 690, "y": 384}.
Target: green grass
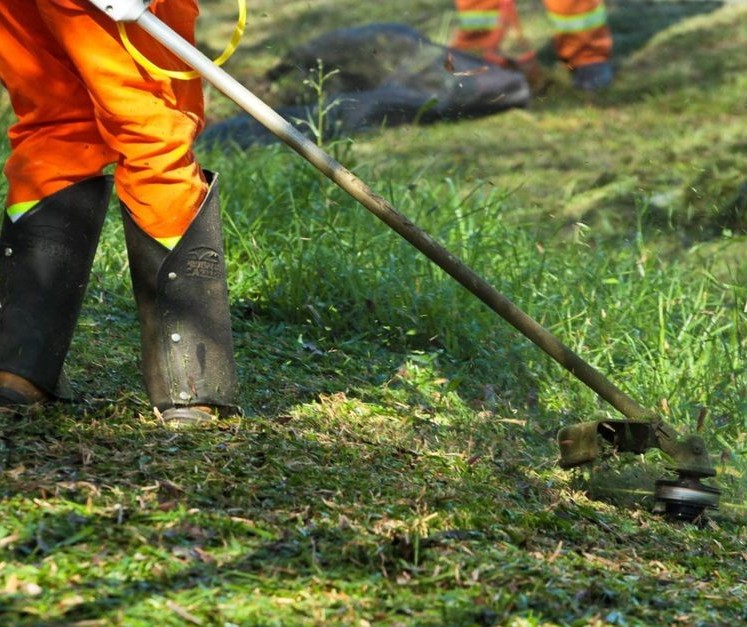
{"x": 397, "y": 461}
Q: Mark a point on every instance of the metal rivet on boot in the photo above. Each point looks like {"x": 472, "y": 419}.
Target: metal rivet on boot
{"x": 184, "y": 396}
{"x": 172, "y": 276}
{"x": 8, "y": 251}
{"x": 175, "y": 337}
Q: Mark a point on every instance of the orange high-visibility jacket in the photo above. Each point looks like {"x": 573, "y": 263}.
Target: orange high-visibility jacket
{"x": 581, "y": 33}
{"x": 82, "y": 103}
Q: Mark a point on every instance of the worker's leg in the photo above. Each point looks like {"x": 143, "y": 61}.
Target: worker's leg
{"x": 45, "y": 261}
{"x": 479, "y": 29}
{"x": 171, "y": 218}
{"x": 582, "y": 35}
{"x": 583, "y": 40}
{"x": 187, "y": 348}
{"x": 56, "y": 204}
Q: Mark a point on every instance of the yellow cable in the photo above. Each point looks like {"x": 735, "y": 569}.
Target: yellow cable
{"x": 185, "y": 75}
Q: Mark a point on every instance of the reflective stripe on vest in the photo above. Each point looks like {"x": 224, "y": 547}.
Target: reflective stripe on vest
{"x": 478, "y": 20}
{"x": 580, "y": 22}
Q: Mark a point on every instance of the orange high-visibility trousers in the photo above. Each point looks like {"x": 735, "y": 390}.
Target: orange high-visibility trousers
{"x": 581, "y": 33}
{"x": 82, "y": 103}
{"x": 479, "y": 27}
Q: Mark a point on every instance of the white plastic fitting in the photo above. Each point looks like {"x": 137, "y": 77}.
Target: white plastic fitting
{"x": 123, "y": 10}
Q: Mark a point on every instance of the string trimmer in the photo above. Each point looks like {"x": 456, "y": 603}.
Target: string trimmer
{"x": 683, "y": 496}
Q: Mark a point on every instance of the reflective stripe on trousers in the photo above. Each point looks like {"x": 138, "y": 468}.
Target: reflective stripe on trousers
{"x": 478, "y": 20}
{"x": 563, "y": 24}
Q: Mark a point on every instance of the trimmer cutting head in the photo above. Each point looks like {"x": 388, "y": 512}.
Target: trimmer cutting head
{"x": 685, "y": 498}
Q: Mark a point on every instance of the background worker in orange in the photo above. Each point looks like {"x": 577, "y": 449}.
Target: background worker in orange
{"x": 582, "y": 38}
{"x": 82, "y": 104}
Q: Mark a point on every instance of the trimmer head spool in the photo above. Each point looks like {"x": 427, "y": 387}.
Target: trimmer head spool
{"x": 685, "y": 498}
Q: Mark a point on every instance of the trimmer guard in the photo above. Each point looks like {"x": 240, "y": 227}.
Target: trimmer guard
{"x": 583, "y": 443}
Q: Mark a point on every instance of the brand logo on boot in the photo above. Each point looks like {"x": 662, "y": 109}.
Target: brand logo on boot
{"x": 203, "y": 263}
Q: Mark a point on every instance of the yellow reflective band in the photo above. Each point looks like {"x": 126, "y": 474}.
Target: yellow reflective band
{"x": 16, "y": 210}
{"x": 581, "y": 22}
{"x": 168, "y": 242}
{"x": 478, "y": 20}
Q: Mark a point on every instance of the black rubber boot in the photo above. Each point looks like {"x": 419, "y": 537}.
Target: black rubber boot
{"x": 45, "y": 263}
{"x": 185, "y": 324}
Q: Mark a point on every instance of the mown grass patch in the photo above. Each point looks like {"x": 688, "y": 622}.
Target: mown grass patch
{"x": 397, "y": 462}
